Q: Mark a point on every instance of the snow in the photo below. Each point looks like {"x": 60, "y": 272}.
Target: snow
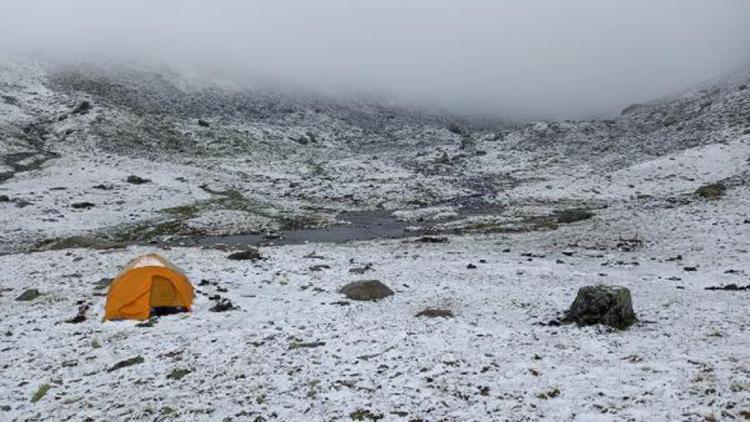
{"x": 688, "y": 357}
{"x": 296, "y": 349}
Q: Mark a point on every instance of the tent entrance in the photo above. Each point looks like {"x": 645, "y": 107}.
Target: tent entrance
{"x": 164, "y": 299}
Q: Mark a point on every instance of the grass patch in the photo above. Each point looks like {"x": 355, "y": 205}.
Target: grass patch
{"x": 75, "y": 242}
{"x": 40, "y": 392}
{"x": 711, "y": 191}
{"x": 526, "y": 225}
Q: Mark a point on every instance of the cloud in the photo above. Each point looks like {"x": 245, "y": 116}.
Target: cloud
{"x": 514, "y": 58}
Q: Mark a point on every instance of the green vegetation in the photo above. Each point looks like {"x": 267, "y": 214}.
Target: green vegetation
{"x": 711, "y": 191}
{"x": 40, "y": 392}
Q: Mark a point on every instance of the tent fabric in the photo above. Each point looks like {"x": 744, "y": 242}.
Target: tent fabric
{"x": 147, "y": 282}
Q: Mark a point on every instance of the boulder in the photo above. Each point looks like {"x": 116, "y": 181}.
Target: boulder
{"x": 602, "y": 304}
{"x": 4, "y": 198}
{"x": 366, "y": 290}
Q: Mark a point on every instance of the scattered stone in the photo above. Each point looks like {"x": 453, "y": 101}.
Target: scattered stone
{"x": 147, "y": 323}
{"x": 28, "y": 295}
{"x": 573, "y": 215}
{"x": 251, "y": 254}
{"x": 443, "y": 159}
{"x": 366, "y": 290}
{"x": 602, "y": 304}
{"x": 137, "y": 180}
{"x": 432, "y": 239}
{"x": 22, "y": 203}
{"x": 301, "y": 140}
{"x": 222, "y": 305}
{"x": 435, "y": 313}
{"x": 9, "y": 99}
{"x": 82, "y": 205}
{"x": 81, "y": 315}
{"x": 455, "y": 129}
{"x": 364, "y": 414}
{"x": 178, "y": 374}
{"x": 729, "y": 287}
{"x": 711, "y": 191}
{"x": 103, "y": 283}
{"x": 549, "y": 394}
{"x": 361, "y": 270}
{"x": 203, "y": 123}
{"x": 82, "y": 108}
{"x": 125, "y": 363}
{"x": 309, "y": 345}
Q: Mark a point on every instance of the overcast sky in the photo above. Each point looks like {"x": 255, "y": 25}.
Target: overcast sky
{"x": 561, "y": 58}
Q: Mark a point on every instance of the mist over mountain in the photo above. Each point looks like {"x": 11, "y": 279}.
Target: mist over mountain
{"x": 516, "y": 59}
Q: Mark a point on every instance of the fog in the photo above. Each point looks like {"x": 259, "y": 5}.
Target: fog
{"x": 523, "y": 58}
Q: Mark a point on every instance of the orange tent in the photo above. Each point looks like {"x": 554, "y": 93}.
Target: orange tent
{"x": 147, "y": 282}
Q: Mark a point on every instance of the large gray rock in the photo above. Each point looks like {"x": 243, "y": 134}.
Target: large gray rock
{"x": 366, "y": 290}
{"x": 601, "y": 304}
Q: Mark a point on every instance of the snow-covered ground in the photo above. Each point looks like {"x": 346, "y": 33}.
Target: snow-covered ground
{"x": 297, "y": 349}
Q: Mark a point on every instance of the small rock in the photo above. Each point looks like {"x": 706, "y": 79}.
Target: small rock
{"x": 601, "y": 304}
{"x": 81, "y": 315}
{"x": 471, "y": 266}
{"x": 690, "y": 269}
{"x": 103, "y": 187}
{"x": 252, "y": 254}
{"x": 222, "y": 305}
{"x": 82, "y": 205}
{"x": 432, "y": 239}
{"x": 137, "y": 180}
{"x": 4, "y": 198}
{"x": 203, "y": 123}
{"x": 366, "y": 290}
{"x": 308, "y": 345}
{"x": 435, "y": 313}
{"x": 178, "y": 374}
{"x": 125, "y": 363}
{"x": 454, "y": 128}
{"x": 28, "y": 295}
{"x": 573, "y": 215}
{"x": 730, "y": 287}
{"x": 82, "y": 108}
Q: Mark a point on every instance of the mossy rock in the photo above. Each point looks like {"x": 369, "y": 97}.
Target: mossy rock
{"x": 602, "y": 304}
